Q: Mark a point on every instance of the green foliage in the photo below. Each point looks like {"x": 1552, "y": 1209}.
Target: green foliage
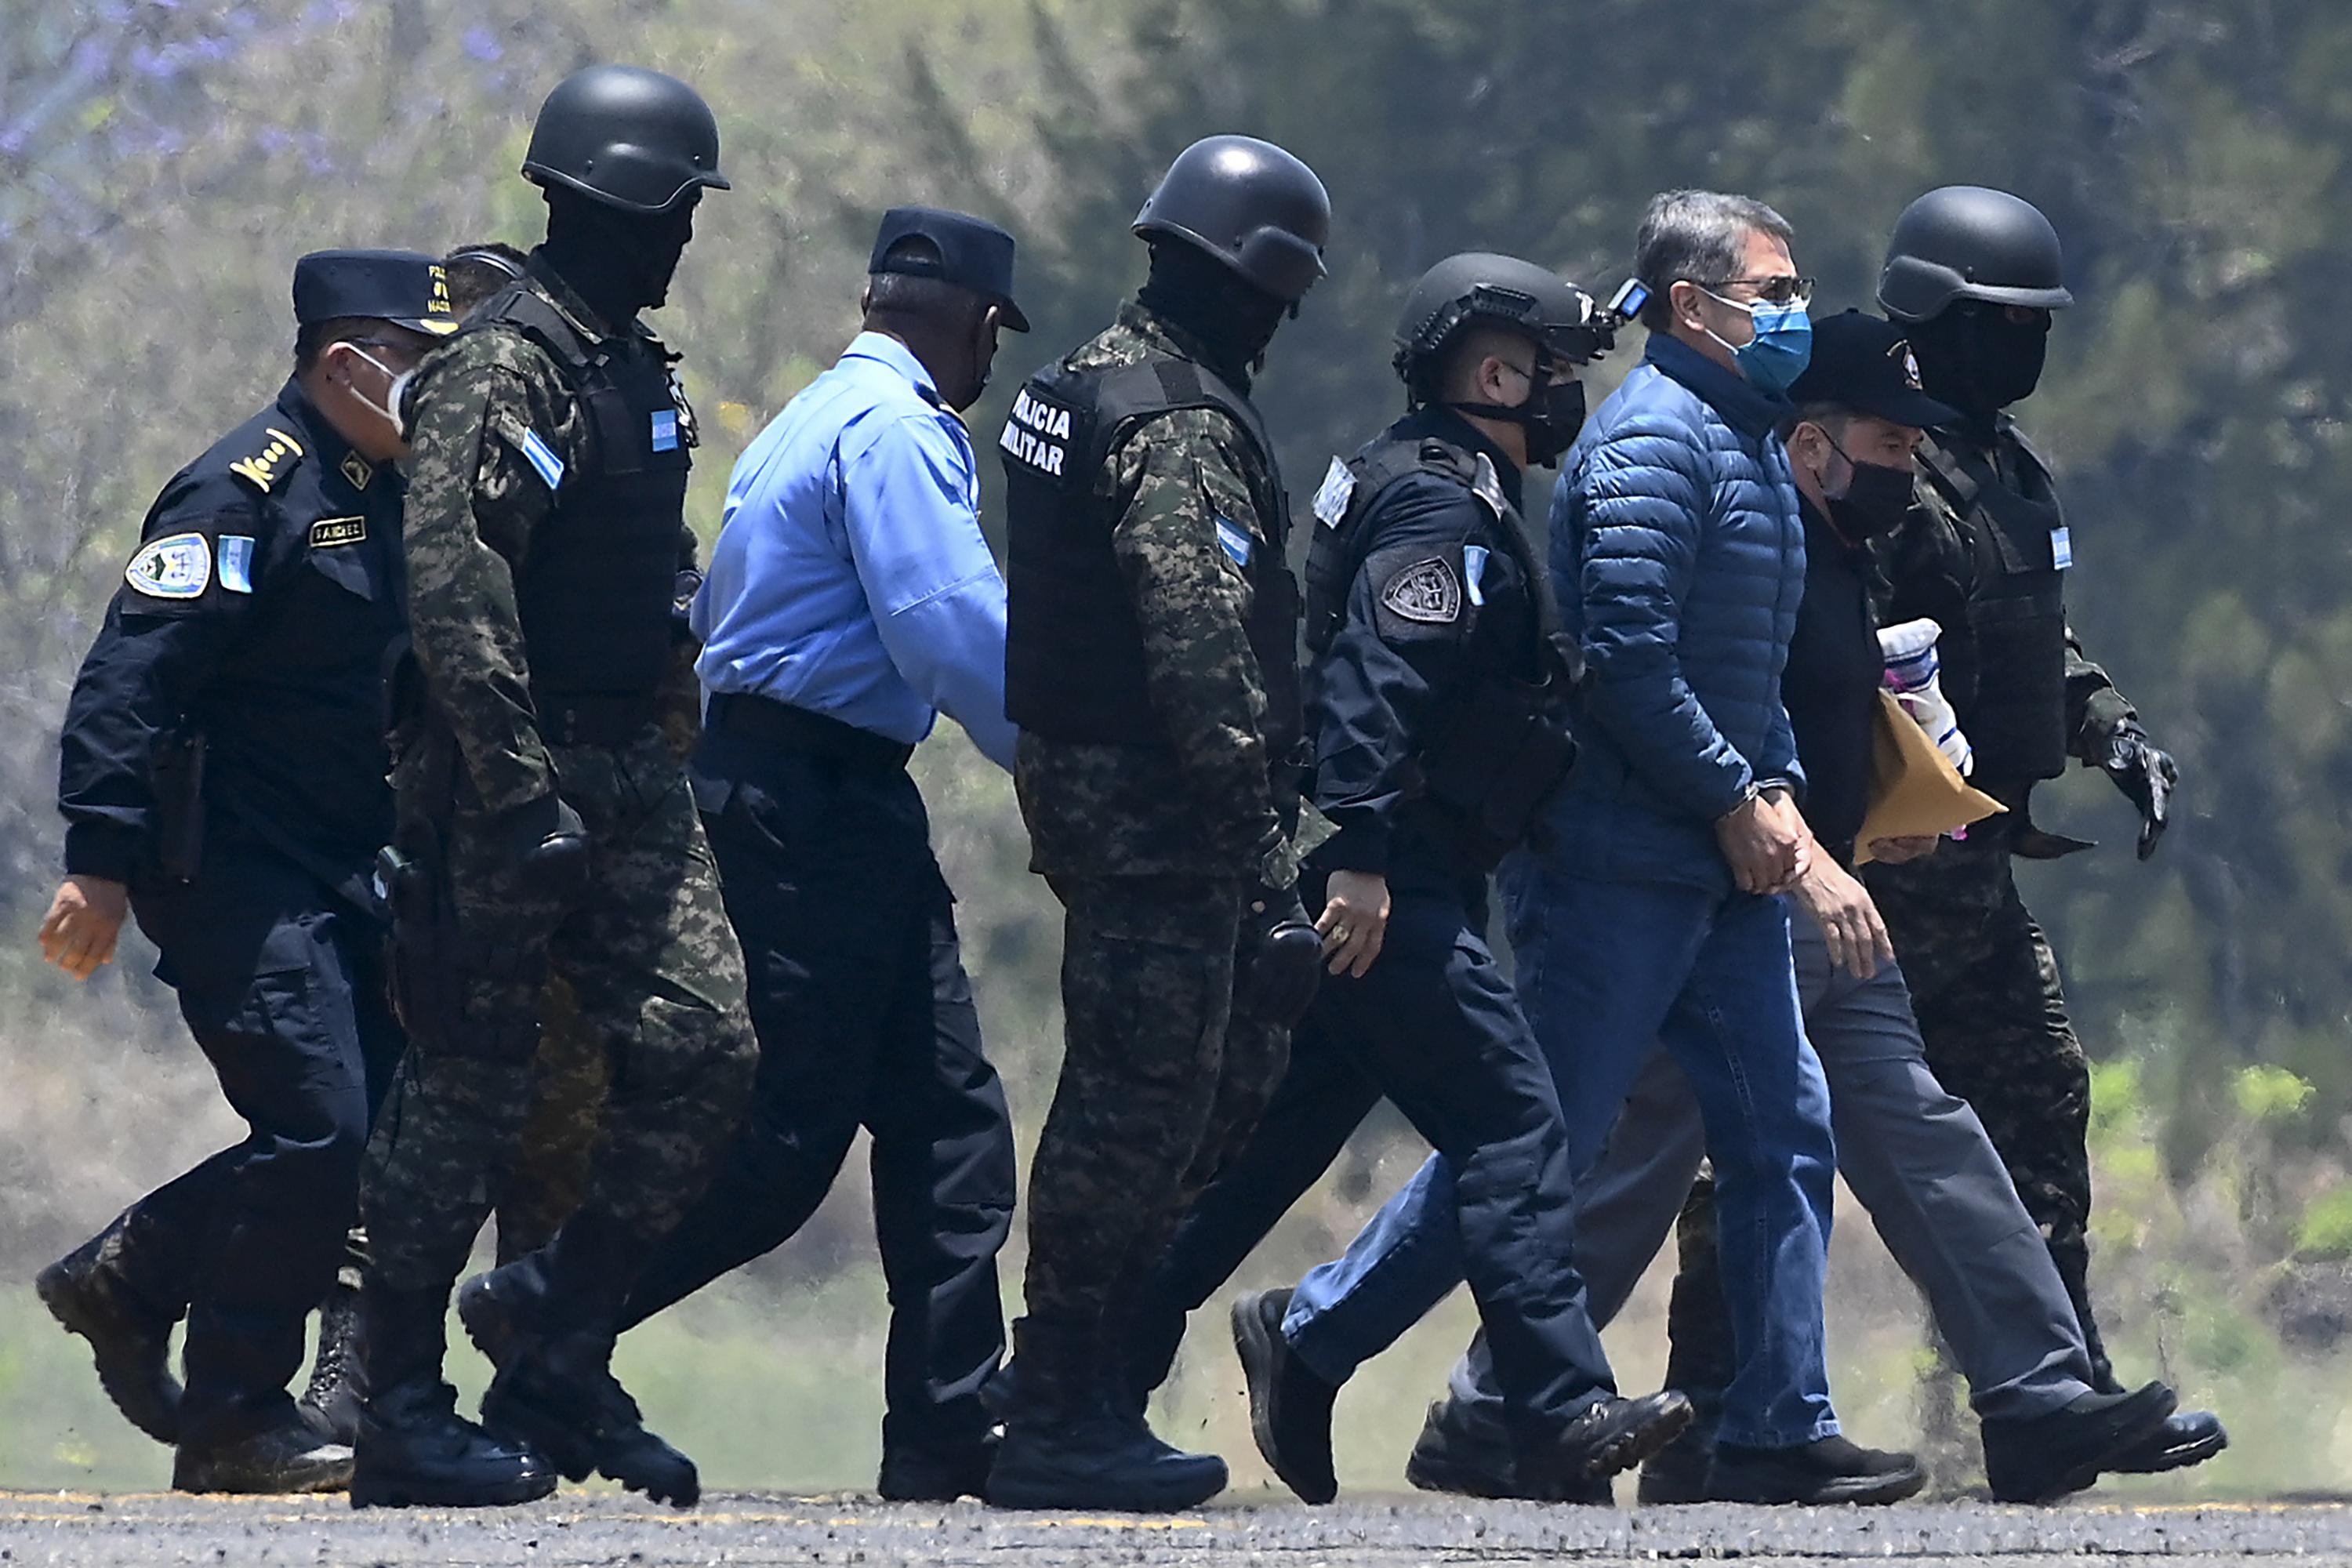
{"x": 2326, "y": 1229}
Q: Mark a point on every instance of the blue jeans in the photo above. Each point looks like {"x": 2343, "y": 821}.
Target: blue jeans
{"x": 1606, "y": 971}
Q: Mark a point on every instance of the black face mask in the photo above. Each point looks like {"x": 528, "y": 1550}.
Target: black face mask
{"x": 619, "y": 262}
{"x": 1875, "y": 500}
{"x": 1552, "y": 415}
{"x": 1977, "y": 360}
{"x": 1233, "y": 318}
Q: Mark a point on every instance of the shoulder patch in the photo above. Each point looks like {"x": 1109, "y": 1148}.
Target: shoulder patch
{"x": 1237, "y": 540}
{"x": 1427, "y": 592}
{"x": 357, "y": 469}
{"x": 1473, "y": 569}
{"x": 329, "y": 531}
{"x": 1488, "y": 486}
{"x": 177, "y": 566}
{"x": 1331, "y": 497}
{"x": 541, "y": 457}
{"x": 237, "y": 563}
{"x": 268, "y": 468}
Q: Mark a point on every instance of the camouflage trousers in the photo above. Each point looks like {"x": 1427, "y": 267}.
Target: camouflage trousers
{"x": 1162, "y": 1084}
{"x": 646, "y": 951}
{"x": 569, "y": 1077}
{"x": 1984, "y": 985}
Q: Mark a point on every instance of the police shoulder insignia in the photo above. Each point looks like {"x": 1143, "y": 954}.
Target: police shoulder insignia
{"x": 356, "y": 469}
{"x": 332, "y": 531}
{"x": 1331, "y": 497}
{"x": 177, "y": 566}
{"x": 1488, "y": 486}
{"x": 1426, "y": 591}
{"x": 268, "y": 468}
{"x": 1237, "y": 540}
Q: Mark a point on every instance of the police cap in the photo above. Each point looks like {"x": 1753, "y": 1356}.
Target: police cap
{"x": 1250, "y": 204}
{"x": 627, "y": 137}
{"x": 407, "y": 287}
{"x": 1866, "y": 364}
{"x": 969, "y": 252}
{"x": 1969, "y": 242}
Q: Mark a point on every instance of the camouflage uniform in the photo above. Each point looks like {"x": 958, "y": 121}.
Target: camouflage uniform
{"x": 1983, "y": 980}
{"x": 1161, "y": 1078}
{"x": 644, "y": 944}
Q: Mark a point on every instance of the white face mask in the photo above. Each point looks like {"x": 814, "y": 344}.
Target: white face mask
{"x": 393, "y": 395}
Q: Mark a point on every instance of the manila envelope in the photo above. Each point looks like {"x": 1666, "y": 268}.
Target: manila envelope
{"x": 1914, "y": 792}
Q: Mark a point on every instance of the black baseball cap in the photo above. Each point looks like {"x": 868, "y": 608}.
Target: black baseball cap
{"x": 407, "y": 287}
{"x": 974, "y": 253}
{"x": 1866, "y": 364}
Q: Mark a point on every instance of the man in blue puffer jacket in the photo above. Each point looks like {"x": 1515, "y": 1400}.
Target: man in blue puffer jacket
{"x": 1677, "y": 552}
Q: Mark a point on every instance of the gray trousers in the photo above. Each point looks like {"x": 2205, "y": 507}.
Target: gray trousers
{"x": 1915, "y": 1155}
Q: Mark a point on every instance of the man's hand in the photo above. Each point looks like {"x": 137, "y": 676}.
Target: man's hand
{"x": 1354, "y": 921}
{"x": 1766, "y": 841}
{"x": 1841, "y": 906}
{"x": 85, "y": 918}
{"x": 2148, "y": 777}
{"x": 1903, "y": 851}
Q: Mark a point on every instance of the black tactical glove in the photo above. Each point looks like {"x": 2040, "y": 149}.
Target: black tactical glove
{"x": 2147, "y": 778}
{"x": 545, "y": 840}
{"x": 1280, "y": 970}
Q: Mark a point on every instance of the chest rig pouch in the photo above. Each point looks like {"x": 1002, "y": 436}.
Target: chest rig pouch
{"x": 1504, "y": 747}
{"x": 595, "y": 594}
{"x": 1074, "y": 652}
{"x": 2017, "y": 611}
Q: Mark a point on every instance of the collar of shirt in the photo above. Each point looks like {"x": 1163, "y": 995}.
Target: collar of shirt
{"x": 884, "y": 348}
{"x": 336, "y": 461}
{"x": 1742, "y": 405}
{"x": 1447, "y": 424}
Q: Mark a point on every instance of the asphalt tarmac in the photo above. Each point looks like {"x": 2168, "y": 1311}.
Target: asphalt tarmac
{"x": 584, "y": 1527}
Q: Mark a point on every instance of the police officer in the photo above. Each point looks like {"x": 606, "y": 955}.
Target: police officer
{"x": 544, "y": 819}
{"x": 1152, "y": 667}
{"x": 1974, "y": 275}
{"x": 852, "y": 599}
{"x": 1436, "y": 717}
{"x": 258, "y": 608}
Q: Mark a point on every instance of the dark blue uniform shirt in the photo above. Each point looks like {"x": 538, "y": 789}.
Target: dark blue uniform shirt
{"x": 257, "y": 611}
{"x": 1440, "y": 603}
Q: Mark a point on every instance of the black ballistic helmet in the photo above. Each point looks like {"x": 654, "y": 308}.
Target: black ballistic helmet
{"x": 1479, "y": 288}
{"x": 1250, "y": 204}
{"x": 1966, "y": 242}
{"x": 627, "y": 137}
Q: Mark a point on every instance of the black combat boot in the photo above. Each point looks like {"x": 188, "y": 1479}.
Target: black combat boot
{"x": 414, "y": 1450}
{"x": 129, "y": 1340}
{"x": 1290, "y": 1408}
{"x": 555, "y": 1389}
{"x": 286, "y": 1455}
{"x": 332, "y": 1401}
{"x": 2048, "y": 1458}
{"x": 500, "y": 1309}
{"x": 1067, "y": 1444}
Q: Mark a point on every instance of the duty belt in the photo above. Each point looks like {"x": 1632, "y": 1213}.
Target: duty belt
{"x": 764, "y": 722}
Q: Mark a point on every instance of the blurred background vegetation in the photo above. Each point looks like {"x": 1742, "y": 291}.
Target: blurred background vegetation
{"x": 163, "y": 161}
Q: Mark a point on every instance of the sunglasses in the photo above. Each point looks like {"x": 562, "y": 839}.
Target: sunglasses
{"x": 1789, "y": 288}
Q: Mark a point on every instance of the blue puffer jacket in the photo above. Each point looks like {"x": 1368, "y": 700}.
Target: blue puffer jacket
{"x": 1678, "y": 554}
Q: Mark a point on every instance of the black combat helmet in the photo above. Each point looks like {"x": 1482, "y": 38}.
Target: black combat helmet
{"x": 627, "y": 137}
{"x": 1479, "y": 288}
{"x": 1966, "y": 242}
{"x": 1250, "y": 204}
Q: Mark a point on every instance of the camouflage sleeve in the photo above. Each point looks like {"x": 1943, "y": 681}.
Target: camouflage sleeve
{"x": 1191, "y": 604}
{"x": 2094, "y": 706}
{"x": 491, "y": 431}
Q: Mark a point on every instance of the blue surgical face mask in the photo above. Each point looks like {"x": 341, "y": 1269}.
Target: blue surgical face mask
{"x": 1783, "y": 344}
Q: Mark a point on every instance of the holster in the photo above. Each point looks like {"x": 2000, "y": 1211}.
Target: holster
{"x": 176, "y": 773}
{"x": 1503, "y": 756}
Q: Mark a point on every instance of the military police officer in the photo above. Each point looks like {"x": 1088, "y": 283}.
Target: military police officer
{"x": 1974, "y": 274}
{"x": 1438, "y": 725}
{"x": 1152, "y": 668}
{"x": 544, "y": 818}
{"x": 261, "y": 603}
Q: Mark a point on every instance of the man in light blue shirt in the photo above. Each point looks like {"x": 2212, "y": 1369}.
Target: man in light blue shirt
{"x": 851, "y": 600}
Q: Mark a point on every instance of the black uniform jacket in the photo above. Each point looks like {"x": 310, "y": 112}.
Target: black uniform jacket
{"x": 255, "y": 612}
{"x": 1831, "y": 685}
{"x": 1440, "y": 603}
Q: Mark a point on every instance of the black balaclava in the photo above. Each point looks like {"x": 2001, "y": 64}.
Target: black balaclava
{"x": 1233, "y": 317}
{"x": 619, "y": 262}
{"x": 1973, "y": 357}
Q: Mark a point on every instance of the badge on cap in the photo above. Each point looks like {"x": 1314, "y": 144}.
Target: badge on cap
{"x": 177, "y": 566}
{"x": 1902, "y": 352}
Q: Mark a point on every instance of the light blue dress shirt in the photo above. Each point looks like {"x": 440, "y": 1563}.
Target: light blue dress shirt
{"x": 850, "y": 576}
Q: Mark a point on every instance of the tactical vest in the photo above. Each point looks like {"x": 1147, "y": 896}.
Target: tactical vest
{"x": 2017, "y": 612}
{"x": 1074, "y": 665}
{"x": 595, "y": 594}
{"x": 1505, "y": 749}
